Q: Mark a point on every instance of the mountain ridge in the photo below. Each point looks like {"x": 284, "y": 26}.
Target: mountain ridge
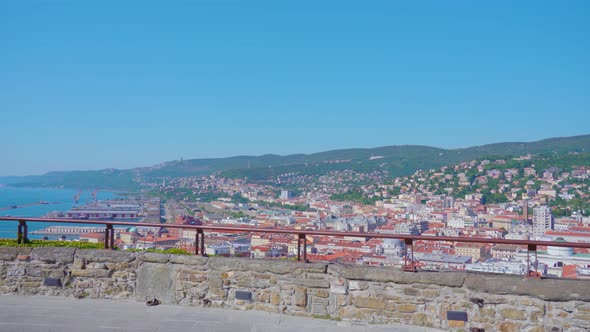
{"x": 398, "y": 160}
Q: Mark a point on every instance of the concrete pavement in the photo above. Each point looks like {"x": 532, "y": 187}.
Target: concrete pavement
{"x": 59, "y": 314}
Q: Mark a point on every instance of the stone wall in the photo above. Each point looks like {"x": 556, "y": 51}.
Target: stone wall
{"x": 368, "y": 294}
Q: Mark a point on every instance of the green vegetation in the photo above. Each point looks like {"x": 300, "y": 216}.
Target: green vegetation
{"x": 238, "y": 214}
{"x": 563, "y": 208}
{"x": 238, "y": 198}
{"x": 82, "y": 245}
{"x": 489, "y": 198}
{"x": 47, "y": 243}
{"x": 173, "y": 251}
{"x": 284, "y": 206}
{"x": 357, "y": 196}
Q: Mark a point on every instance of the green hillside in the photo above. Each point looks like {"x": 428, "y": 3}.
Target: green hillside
{"x": 398, "y": 160}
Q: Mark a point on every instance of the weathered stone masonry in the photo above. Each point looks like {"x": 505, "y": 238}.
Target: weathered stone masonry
{"x": 369, "y": 294}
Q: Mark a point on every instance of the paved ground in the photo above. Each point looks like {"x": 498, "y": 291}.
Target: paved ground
{"x": 40, "y": 313}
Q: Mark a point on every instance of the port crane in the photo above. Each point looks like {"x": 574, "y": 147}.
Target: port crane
{"x": 94, "y": 195}
{"x": 77, "y": 196}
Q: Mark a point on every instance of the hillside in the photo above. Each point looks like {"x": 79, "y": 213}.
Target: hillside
{"x": 398, "y": 160}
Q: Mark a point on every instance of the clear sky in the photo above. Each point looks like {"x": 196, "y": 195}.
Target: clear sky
{"x": 98, "y": 84}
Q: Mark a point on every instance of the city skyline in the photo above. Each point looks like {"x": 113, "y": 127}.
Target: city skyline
{"x": 126, "y": 85}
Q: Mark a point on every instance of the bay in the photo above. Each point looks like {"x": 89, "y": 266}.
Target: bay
{"x": 58, "y": 199}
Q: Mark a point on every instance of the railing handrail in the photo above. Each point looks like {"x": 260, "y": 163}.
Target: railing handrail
{"x": 210, "y": 228}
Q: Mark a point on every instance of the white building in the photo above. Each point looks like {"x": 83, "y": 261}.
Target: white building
{"x": 285, "y": 195}
{"x": 542, "y": 221}
{"x": 218, "y": 250}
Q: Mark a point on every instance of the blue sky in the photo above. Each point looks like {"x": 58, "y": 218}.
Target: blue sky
{"x": 91, "y": 85}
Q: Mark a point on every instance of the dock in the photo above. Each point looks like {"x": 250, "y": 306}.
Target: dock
{"x": 13, "y": 207}
{"x": 73, "y": 230}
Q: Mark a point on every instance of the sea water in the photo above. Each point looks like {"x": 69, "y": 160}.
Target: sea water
{"x": 58, "y": 199}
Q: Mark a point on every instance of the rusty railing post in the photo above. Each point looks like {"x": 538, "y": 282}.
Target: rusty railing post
{"x": 409, "y": 267}
{"x": 109, "y": 237}
{"x": 529, "y": 273}
{"x": 106, "y": 237}
{"x": 112, "y": 238}
{"x": 22, "y": 232}
{"x": 197, "y": 243}
{"x": 304, "y": 248}
{"x": 202, "y": 244}
{"x": 299, "y": 237}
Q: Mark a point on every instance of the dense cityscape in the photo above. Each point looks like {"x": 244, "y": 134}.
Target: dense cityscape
{"x": 518, "y": 198}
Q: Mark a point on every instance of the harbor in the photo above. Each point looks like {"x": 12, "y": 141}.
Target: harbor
{"x": 86, "y": 204}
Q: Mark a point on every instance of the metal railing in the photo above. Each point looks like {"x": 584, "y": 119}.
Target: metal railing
{"x": 409, "y": 263}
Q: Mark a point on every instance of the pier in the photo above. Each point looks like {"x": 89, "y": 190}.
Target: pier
{"x": 72, "y": 230}
{"x": 13, "y": 207}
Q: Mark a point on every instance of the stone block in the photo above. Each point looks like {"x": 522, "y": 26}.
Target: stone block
{"x": 311, "y": 283}
{"x": 387, "y": 274}
{"x": 79, "y": 263}
{"x": 355, "y": 285}
{"x": 119, "y": 266}
{"x": 430, "y": 293}
{"x": 263, "y": 266}
{"x": 536, "y": 315}
{"x": 264, "y": 297}
{"x": 407, "y": 308}
{"x": 23, "y": 258}
{"x": 153, "y": 257}
{"x": 411, "y": 292}
{"x": 90, "y": 273}
{"x": 582, "y": 321}
{"x": 300, "y": 297}
{"x": 35, "y": 271}
{"x": 455, "y": 324}
{"x": 322, "y": 293}
{"x": 10, "y": 253}
{"x": 368, "y": 302}
{"x": 188, "y": 260}
{"x": 421, "y": 319}
{"x": 275, "y": 298}
{"x": 31, "y": 285}
{"x": 335, "y": 289}
{"x": 52, "y": 255}
{"x": 511, "y": 313}
{"x": 97, "y": 265}
{"x": 319, "y": 309}
{"x": 545, "y": 289}
{"x": 15, "y": 271}
{"x": 536, "y": 329}
{"x": 508, "y": 327}
{"x": 110, "y": 256}
{"x": 156, "y": 281}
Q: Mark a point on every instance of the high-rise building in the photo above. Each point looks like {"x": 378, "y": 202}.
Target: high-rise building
{"x": 285, "y": 194}
{"x": 542, "y": 221}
